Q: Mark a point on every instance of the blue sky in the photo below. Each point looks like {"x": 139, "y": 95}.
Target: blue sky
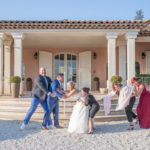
{"x": 72, "y": 9}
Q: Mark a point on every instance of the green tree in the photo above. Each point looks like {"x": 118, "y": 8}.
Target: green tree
{"x": 139, "y": 15}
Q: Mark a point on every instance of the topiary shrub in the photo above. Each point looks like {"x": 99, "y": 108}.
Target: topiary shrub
{"x": 96, "y": 79}
{"x": 29, "y": 79}
{"x": 116, "y": 79}
{"x": 96, "y": 84}
{"x": 15, "y": 79}
{"x": 29, "y": 84}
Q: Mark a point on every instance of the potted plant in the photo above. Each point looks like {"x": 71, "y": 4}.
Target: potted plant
{"x": 29, "y": 84}
{"x": 116, "y": 79}
{"x": 15, "y": 86}
{"x": 96, "y": 83}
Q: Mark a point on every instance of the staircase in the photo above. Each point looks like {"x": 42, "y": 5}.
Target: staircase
{"x": 16, "y": 109}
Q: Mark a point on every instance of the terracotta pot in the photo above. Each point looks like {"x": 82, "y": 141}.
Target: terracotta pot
{"x": 96, "y": 85}
{"x": 29, "y": 85}
{"x": 103, "y": 90}
{"x": 15, "y": 88}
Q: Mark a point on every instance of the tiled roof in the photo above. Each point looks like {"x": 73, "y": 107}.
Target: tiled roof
{"x": 144, "y": 33}
{"x": 74, "y": 24}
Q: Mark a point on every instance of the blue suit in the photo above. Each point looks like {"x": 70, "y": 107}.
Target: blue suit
{"x": 53, "y": 103}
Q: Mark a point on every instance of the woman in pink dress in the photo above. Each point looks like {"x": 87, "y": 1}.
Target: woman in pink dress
{"x": 143, "y": 108}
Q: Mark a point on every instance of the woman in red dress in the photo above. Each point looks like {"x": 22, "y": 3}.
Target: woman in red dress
{"x": 143, "y": 107}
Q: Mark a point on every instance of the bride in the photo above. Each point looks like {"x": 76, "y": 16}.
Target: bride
{"x": 79, "y": 118}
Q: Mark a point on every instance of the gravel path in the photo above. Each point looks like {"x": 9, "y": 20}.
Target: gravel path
{"x": 108, "y": 136}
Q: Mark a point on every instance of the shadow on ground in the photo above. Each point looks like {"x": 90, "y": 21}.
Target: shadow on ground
{"x": 113, "y": 128}
{"x": 11, "y": 129}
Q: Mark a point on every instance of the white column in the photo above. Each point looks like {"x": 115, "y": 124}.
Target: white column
{"x": 111, "y": 36}
{"x": 1, "y": 63}
{"x": 18, "y": 57}
{"x": 122, "y": 59}
{"x": 131, "y": 36}
{"x": 7, "y": 66}
{"x": 17, "y": 54}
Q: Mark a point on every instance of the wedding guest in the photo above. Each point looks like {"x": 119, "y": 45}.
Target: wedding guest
{"x": 126, "y": 101}
{"x": 143, "y": 107}
{"x": 39, "y": 94}
{"x": 93, "y": 107}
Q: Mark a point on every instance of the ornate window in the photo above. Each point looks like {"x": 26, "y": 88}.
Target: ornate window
{"x": 65, "y": 62}
{"x": 137, "y": 67}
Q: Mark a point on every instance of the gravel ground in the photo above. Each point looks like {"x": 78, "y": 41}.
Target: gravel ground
{"x": 108, "y": 136}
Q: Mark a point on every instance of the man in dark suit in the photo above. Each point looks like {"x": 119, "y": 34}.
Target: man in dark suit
{"x": 39, "y": 94}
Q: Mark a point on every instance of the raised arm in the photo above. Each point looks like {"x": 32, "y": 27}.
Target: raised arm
{"x": 110, "y": 96}
{"x": 71, "y": 93}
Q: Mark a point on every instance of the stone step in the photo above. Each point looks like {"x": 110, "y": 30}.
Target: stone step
{"x": 113, "y": 112}
{"x": 67, "y": 112}
{"x": 110, "y": 118}
{"x": 25, "y": 109}
{"x": 36, "y": 118}
{"x": 29, "y": 99}
{"x": 26, "y": 103}
{"x": 10, "y": 116}
{"x": 36, "y": 115}
{"x": 113, "y": 106}
{"x": 39, "y": 109}
{"x": 16, "y": 109}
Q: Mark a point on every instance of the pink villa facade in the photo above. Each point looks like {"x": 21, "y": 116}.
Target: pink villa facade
{"x": 80, "y": 49}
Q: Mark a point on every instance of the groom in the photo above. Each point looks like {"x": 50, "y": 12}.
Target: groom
{"x": 53, "y": 102}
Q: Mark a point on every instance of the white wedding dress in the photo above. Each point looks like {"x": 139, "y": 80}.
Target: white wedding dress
{"x": 79, "y": 118}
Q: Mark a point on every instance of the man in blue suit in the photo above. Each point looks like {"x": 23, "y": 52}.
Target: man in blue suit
{"x": 53, "y": 102}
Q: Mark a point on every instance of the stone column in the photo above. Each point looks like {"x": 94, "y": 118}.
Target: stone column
{"x": 7, "y": 66}
{"x": 18, "y": 56}
{"x": 1, "y": 63}
{"x": 131, "y": 36}
{"x": 122, "y": 59}
{"x": 111, "y": 36}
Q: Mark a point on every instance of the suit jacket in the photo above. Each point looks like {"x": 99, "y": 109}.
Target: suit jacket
{"x": 40, "y": 89}
{"x": 56, "y": 85}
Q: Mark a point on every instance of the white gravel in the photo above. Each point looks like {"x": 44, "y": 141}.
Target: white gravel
{"x": 108, "y": 136}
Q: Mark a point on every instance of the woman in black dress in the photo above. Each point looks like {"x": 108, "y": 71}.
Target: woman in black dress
{"x": 93, "y": 107}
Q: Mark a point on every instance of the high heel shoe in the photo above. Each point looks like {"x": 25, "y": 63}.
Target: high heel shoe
{"x": 131, "y": 127}
{"x": 90, "y": 132}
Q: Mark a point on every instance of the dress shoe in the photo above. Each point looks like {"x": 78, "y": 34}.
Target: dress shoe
{"x": 58, "y": 126}
{"x": 44, "y": 128}
{"x": 51, "y": 127}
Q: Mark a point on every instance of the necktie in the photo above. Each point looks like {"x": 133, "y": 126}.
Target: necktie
{"x": 46, "y": 82}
